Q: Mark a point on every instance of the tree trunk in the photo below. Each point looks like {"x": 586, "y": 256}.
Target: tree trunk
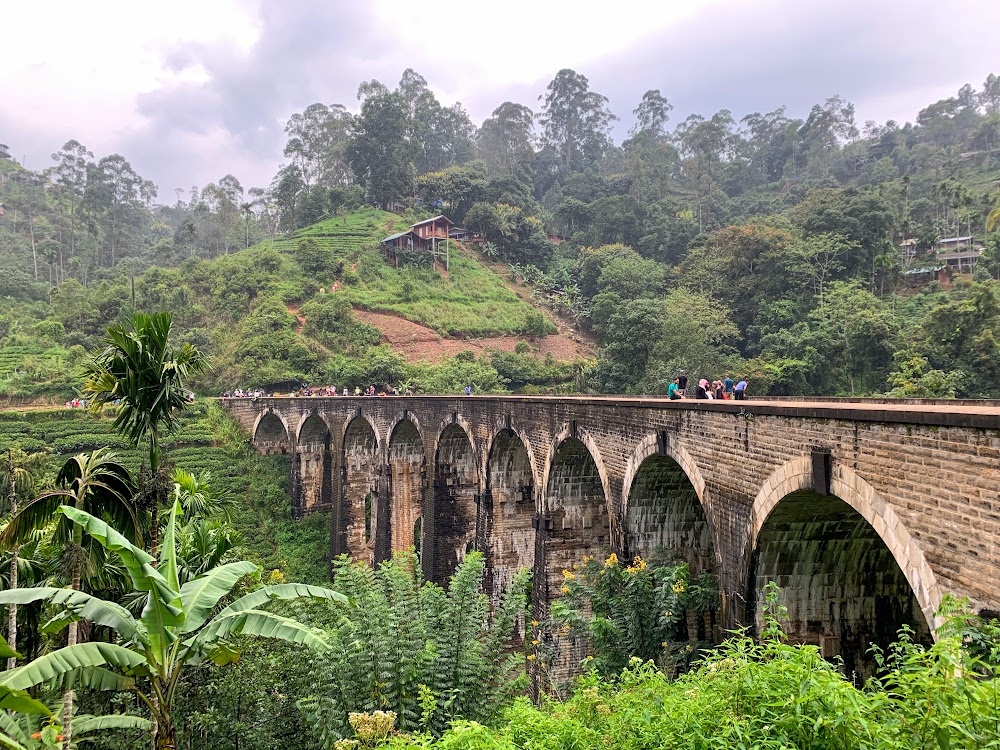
{"x": 12, "y": 612}
{"x": 34, "y": 253}
{"x": 71, "y": 639}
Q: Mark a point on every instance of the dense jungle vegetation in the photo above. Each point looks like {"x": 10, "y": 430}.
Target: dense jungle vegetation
{"x": 763, "y": 244}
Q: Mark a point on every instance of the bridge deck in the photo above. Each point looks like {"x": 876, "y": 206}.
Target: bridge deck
{"x": 944, "y": 413}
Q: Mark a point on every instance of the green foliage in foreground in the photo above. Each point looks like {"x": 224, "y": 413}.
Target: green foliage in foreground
{"x": 431, "y": 655}
{"x": 180, "y": 625}
{"x": 768, "y": 695}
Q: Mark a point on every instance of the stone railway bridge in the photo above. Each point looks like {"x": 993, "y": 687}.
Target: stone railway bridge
{"x": 865, "y": 514}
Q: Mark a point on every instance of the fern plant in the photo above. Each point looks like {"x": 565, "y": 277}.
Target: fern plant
{"x": 430, "y": 655}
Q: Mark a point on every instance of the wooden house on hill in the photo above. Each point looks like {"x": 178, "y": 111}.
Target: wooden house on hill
{"x": 424, "y": 236}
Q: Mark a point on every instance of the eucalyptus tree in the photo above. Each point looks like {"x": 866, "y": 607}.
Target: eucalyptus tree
{"x": 576, "y": 121}
{"x": 179, "y": 625}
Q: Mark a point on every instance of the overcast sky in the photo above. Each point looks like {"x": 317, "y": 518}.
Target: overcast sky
{"x": 191, "y": 90}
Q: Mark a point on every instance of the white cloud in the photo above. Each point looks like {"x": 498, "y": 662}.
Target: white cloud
{"x": 192, "y": 89}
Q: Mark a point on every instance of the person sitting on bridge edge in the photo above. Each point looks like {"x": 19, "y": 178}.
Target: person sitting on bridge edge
{"x": 674, "y": 391}
{"x": 682, "y": 383}
{"x": 468, "y": 390}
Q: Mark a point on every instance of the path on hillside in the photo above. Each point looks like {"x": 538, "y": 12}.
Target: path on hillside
{"x": 416, "y": 342}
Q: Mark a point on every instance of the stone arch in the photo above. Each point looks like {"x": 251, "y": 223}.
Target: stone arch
{"x": 312, "y": 488}
{"x": 804, "y": 539}
{"x": 271, "y": 433}
{"x": 462, "y": 423}
{"x": 359, "y": 488}
{"x": 312, "y": 428}
{"x": 403, "y": 416}
{"x": 455, "y": 499}
{"x": 570, "y": 431}
{"x": 660, "y": 468}
{"x": 406, "y": 466}
{"x": 525, "y": 441}
{"x": 508, "y": 509}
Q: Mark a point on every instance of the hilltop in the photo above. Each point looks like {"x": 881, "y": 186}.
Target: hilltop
{"x": 320, "y": 305}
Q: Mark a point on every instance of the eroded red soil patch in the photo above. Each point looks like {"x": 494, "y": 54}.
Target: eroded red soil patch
{"x": 417, "y": 342}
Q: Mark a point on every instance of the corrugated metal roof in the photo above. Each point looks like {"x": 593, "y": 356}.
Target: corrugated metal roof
{"x": 433, "y": 218}
{"x": 396, "y": 236}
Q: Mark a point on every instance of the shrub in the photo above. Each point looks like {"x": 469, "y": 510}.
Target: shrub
{"x": 428, "y": 654}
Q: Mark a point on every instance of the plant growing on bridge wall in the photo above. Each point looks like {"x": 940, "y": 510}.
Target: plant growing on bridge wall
{"x": 648, "y": 609}
{"x": 431, "y": 655}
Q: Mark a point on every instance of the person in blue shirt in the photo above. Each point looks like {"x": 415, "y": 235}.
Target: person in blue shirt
{"x": 468, "y": 390}
{"x": 741, "y": 389}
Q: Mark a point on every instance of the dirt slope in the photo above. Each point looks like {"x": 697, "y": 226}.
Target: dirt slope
{"x": 417, "y": 342}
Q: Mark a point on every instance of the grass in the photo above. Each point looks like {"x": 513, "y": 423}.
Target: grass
{"x": 343, "y": 234}
{"x": 207, "y": 440}
{"x": 471, "y": 301}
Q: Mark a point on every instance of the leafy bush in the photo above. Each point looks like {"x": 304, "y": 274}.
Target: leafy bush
{"x": 634, "y": 611}
{"x": 429, "y": 655}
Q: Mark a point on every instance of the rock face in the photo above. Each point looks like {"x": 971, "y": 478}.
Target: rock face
{"x": 864, "y": 514}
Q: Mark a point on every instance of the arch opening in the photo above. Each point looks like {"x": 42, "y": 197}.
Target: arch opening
{"x": 577, "y": 527}
{"x": 456, "y": 488}
{"x": 509, "y": 508}
{"x": 406, "y": 475}
{"x": 271, "y": 435}
{"x": 314, "y": 488}
{"x": 666, "y": 522}
{"x": 841, "y": 584}
{"x": 359, "y": 507}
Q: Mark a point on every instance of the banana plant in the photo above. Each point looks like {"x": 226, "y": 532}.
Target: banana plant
{"x": 179, "y": 626}
{"x": 37, "y": 732}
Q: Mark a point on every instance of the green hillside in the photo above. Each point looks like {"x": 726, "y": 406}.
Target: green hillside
{"x": 344, "y": 234}
{"x": 283, "y": 310}
{"x": 206, "y": 441}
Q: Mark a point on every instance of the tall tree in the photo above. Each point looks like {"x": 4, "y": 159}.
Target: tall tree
{"x": 139, "y": 369}
{"x": 652, "y": 113}
{"x": 380, "y": 150}
{"x": 507, "y": 137}
{"x": 116, "y": 193}
{"x": 317, "y": 144}
{"x": 576, "y": 122}
{"x": 70, "y": 175}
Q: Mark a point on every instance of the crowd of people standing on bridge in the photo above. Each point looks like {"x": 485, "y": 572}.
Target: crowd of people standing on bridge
{"x": 724, "y": 389}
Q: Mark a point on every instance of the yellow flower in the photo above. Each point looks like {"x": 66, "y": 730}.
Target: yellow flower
{"x": 587, "y": 559}
{"x": 565, "y": 589}
{"x": 668, "y": 613}
{"x": 679, "y": 587}
{"x": 535, "y": 642}
{"x": 568, "y": 576}
{"x": 664, "y": 644}
{"x": 531, "y": 657}
{"x": 612, "y": 560}
{"x": 534, "y": 623}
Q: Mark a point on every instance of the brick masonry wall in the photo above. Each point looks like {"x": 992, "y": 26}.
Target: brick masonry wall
{"x": 925, "y": 481}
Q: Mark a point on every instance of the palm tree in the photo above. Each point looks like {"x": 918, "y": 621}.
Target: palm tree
{"x": 144, "y": 375}
{"x": 993, "y": 218}
{"x": 197, "y": 497}
{"x": 176, "y": 627}
{"x": 17, "y": 474}
{"x": 89, "y": 482}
